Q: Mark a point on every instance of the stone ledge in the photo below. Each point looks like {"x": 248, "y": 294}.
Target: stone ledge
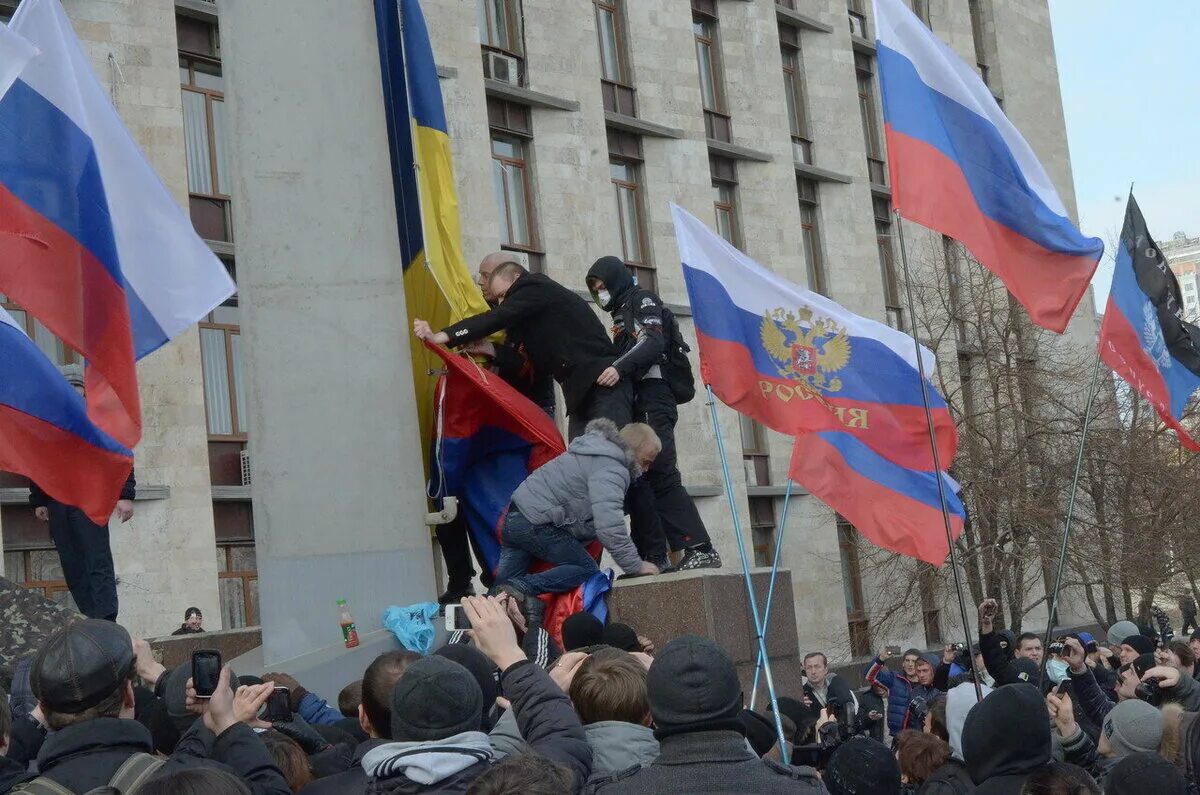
{"x": 773, "y": 491}
{"x": 862, "y": 45}
{"x": 20, "y": 496}
{"x": 525, "y": 96}
{"x": 787, "y": 16}
{"x": 171, "y": 650}
{"x": 821, "y": 174}
{"x": 204, "y": 9}
{"x": 640, "y": 126}
{"x": 231, "y": 493}
{"x": 738, "y": 152}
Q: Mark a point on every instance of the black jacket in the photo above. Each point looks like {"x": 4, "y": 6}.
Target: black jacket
{"x": 87, "y": 755}
{"x": 558, "y": 331}
{"x": 637, "y": 316}
{"x": 512, "y": 364}
{"x": 997, "y": 654}
{"x": 1005, "y": 738}
{"x": 709, "y": 762}
{"x": 40, "y": 499}
{"x": 352, "y": 781}
{"x": 951, "y": 778}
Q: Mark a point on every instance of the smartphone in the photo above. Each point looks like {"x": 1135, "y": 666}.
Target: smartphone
{"x": 894, "y": 651}
{"x": 456, "y": 619}
{"x": 278, "y": 706}
{"x": 206, "y": 670}
{"x": 1058, "y": 688}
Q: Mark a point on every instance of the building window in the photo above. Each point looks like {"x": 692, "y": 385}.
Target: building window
{"x": 858, "y": 18}
{"x": 762, "y": 529}
{"x": 708, "y": 60}
{"x": 55, "y": 349}
{"x": 204, "y": 128}
{"x": 950, "y": 253}
{"x": 852, "y": 590}
{"x": 724, "y": 182}
{"x": 929, "y": 609}
{"x": 616, "y": 80}
{"x": 237, "y": 579}
{"x": 876, "y": 167}
{"x": 794, "y": 94}
{"x": 512, "y": 142}
{"x": 977, "y": 34}
{"x": 224, "y": 384}
{"x": 887, "y": 263}
{"x": 625, "y": 171}
{"x": 36, "y": 566}
{"x": 810, "y": 231}
{"x": 921, "y": 9}
{"x": 500, "y": 37}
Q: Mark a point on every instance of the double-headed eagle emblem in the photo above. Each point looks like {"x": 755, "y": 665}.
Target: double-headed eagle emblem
{"x": 806, "y": 349}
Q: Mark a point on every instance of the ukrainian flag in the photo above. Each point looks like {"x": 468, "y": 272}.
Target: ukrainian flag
{"x": 437, "y": 283}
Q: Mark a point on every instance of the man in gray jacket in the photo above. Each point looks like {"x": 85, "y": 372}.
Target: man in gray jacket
{"x": 571, "y": 500}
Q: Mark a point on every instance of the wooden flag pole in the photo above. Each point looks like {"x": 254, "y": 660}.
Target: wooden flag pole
{"x": 937, "y": 463}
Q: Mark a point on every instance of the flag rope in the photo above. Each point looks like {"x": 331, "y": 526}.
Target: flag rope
{"x": 937, "y": 463}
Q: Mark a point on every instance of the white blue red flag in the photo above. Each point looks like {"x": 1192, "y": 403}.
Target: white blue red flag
{"x": 845, "y": 386}
{"x": 92, "y": 243}
{"x": 44, "y": 423}
{"x": 798, "y": 362}
{"x": 960, "y": 167}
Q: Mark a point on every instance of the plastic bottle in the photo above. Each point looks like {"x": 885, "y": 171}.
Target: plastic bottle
{"x": 349, "y": 631}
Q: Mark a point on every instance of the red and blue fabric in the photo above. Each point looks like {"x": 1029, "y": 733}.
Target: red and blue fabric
{"x": 893, "y": 507}
{"x": 960, "y": 167}
{"x": 1143, "y": 338}
{"x": 47, "y": 434}
{"x": 92, "y": 243}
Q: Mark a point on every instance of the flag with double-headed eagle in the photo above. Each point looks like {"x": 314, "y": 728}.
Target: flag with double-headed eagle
{"x": 846, "y": 386}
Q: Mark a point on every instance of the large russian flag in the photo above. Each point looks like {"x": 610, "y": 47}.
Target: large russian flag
{"x": 959, "y": 166}
{"x": 47, "y": 435}
{"x": 1143, "y": 338}
{"x": 893, "y": 507}
{"x": 92, "y": 243}
{"x": 798, "y": 362}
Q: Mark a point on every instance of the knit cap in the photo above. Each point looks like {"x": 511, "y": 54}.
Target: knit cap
{"x": 862, "y": 766}
{"x": 1140, "y": 773}
{"x": 1139, "y": 643}
{"x": 693, "y": 686}
{"x": 1121, "y": 630}
{"x": 1133, "y": 727}
{"x": 436, "y": 698}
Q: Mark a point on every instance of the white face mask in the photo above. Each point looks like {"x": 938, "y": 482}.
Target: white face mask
{"x": 601, "y": 297}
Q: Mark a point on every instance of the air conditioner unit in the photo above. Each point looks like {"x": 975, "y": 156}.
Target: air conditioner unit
{"x": 245, "y": 467}
{"x": 501, "y": 67}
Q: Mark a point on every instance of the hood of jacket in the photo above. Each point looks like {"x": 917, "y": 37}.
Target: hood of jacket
{"x": 616, "y": 277}
{"x": 427, "y": 763}
{"x": 618, "y": 746}
{"x": 959, "y": 701}
{"x": 952, "y": 777}
{"x": 1006, "y": 735}
{"x": 601, "y": 438}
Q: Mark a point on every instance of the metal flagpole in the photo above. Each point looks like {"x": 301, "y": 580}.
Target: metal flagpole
{"x": 785, "y": 752}
{"x": 937, "y": 462}
{"x": 766, "y": 619}
{"x": 1062, "y": 554}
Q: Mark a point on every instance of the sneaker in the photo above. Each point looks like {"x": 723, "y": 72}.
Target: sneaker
{"x": 695, "y": 559}
{"x": 454, "y": 595}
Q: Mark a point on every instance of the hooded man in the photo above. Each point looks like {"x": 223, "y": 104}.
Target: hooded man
{"x": 1005, "y": 738}
{"x": 644, "y": 332}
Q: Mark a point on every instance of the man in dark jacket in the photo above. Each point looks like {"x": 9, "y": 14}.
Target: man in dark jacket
{"x": 559, "y": 333}
{"x": 661, "y": 511}
{"x": 83, "y": 546}
{"x": 437, "y": 715}
{"x": 696, "y": 702}
{"x": 374, "y": 717}
{"x": 83, "y": 679}
{"x": 1005, "y": 738}
{"x": 901, "y": 692}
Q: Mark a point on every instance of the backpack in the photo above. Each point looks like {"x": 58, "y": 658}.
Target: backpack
{"x": 129, "y": 778}
{"x": 675, "y": 365}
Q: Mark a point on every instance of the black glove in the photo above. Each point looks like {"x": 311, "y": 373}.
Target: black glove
{"x": 308, "y": 738}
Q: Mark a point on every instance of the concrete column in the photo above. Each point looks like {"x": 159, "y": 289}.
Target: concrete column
{"x": 338, "y": 482}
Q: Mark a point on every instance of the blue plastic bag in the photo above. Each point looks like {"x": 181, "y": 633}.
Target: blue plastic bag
{"x": 413, "y": 625}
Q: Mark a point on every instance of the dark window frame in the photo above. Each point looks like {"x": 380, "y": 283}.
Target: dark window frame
{"x": 792, "y": 58}
{"x": 892, "y": 300}
{"x": 620, "y": 95}
{"x": 808, "y": 195}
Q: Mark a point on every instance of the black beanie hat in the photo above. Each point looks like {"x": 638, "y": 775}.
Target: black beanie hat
{"x": 1140, "y": 773}
{"x": 622, "y": 636}
{"x": 435, "y": 699}
{"x": 693, "y": 686}
{"x": 580, "y": 630}
{"x": 1139, "y": 643}
{"x": 1021, "y": 670}
{"x": 483, "y": 669}
{"x": 862, "y": 766}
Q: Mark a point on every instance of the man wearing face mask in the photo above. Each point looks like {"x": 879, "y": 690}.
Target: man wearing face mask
{"x": 561, "y": 335}
{"x": 660, "y": 509}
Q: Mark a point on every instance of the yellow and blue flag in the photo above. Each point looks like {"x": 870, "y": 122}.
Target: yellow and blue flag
{"x": 437, "y": 284}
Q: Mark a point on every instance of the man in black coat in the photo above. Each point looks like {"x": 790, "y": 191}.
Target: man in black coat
{"x": 660, "y": 509}
{"x": 559, "y": 333}
{"x": 83, "y": 679}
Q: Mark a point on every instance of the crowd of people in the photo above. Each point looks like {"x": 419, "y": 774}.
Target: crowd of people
{"x": 501, "y": 709}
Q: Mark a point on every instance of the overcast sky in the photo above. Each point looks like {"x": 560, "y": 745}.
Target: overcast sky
{"x": 1130, "y": 76}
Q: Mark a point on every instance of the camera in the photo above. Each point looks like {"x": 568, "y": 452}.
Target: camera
{"x": 1058, "y": 647}
{"x": 918, "y": 709}
{"x": 1150, "y": 691}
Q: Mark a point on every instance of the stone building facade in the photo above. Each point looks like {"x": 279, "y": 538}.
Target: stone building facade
{"x": 573, "y": 124}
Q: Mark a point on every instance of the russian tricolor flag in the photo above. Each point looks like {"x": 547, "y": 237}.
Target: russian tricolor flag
{"x": 959, "y": 166}
{"x": 47, "y": 435}
{"x": 92, "y": 243}
{"x": 798, "y": 362}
